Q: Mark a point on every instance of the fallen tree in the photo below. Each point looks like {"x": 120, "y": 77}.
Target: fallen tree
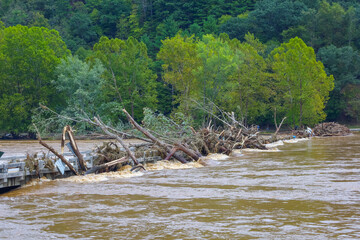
{"x": 190, "y": 146}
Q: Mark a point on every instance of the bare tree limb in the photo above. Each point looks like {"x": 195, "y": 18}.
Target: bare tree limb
{"x": 89, "y": 121}
{"x": 62, "y": 158}
{"x": 154, "y": 139}
{"x": 131, "y": 155}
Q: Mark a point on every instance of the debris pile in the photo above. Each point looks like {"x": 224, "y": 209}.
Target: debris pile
{"x": 331, "y": 129}
{"x": 208, "y": 141}
{"x": 108, "y": 152}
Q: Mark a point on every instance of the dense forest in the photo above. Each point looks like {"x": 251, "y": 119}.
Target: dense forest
{"x": 260, "y": 59}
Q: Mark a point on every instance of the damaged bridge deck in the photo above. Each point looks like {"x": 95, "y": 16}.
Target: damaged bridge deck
{"x": 14, "y": 173}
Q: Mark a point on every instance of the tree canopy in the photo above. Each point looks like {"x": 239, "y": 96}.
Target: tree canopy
{"x": 248, "y": 57}
{"x": 28, "y": 58}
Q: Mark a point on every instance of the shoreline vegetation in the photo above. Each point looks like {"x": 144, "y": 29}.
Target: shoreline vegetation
{"x": 185, "y": 60}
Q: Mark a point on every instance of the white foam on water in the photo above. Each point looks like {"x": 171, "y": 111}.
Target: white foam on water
{"x": 160, "y": 165}
{"x": 236, "y": 153}
{"x": 274, "y": 144}
{"x": 123, "y": 172}
{"x": 36, "y": 181}
{"x": 296, "y": 140}
{"x": 260, "y": 150}
{"x": 216, "y": 156}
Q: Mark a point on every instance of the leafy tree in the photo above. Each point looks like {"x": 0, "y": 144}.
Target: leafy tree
{"x": 271, "y": 17}
{"x": 129, "y": 81}
{"x": 218, "y": 60}
{"x": 28, "y": 57}
{"x": 81, "y": 27}
{"x": 344, "y": 64}
{"x": 210, "y": 25}
{"x": 110, "y": 12}
{"x": 196, "y": 30}
{"x": 301, "y": 81}
{"x": 248, "y": 85}
{"x": 81, "y": 83}
{"x": 236, "y": 27}
{"x": 16, "y": 16}
{"x": 38, "y": 20}
{"x": 352, "y": 97}
{"x": 179, "y": 57}
{"x": 330, "y": 24}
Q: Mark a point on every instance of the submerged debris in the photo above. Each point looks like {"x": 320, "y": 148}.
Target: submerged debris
{"x": 32, "y": 162}
{"x": 109, "y": 152}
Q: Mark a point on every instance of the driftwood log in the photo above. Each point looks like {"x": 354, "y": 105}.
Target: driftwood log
{"x": 156, "y": 141}
{"x": 72, "y": 169}
{"x": 68, "y": 130}
{"x": 106, "y": 165}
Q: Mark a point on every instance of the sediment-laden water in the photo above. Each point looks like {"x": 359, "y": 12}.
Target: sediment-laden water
{"x": 304, "y": 190}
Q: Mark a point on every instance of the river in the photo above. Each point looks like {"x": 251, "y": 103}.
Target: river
{"x": 306, "y": 190}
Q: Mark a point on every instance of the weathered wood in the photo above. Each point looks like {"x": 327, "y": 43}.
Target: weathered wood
{"x": 68, "y": 130}
{"x": 128, "y": 151}
{"x": 171, "y": 153}
{"x": 106, "y": 165}
{"x": 152, "y": 138}
{"x": 188, "y": 151}
{"x": 62, "y": 158}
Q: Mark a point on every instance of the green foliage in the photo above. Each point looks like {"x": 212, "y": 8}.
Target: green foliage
{"x": 194, "y": 61}
{"x": 236, "y": 27}
{"x": 28, "y": 58}
{"x": 249, "y": 92}
{"x": 302, "y": 82}
{"x": 81, "y": 86}
{"x": 218, "y": 61}
{"x": 180, "y": 59}
{"x": 352, "y": 97}
{"x": 271, "y": 17}
{"x": 129, "y": 80}
{"x": 210, "y": 25}
{"x": 175, "y": 127}
{"x": 344, "y": 64}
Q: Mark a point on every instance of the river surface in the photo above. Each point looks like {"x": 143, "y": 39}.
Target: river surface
{"x": 14, "y": 148}
{"x": 306, "y": 190}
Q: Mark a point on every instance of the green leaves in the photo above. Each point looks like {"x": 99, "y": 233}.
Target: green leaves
{"x": 129, "y": 80}
{"x": 81, "y": 84}
{"x": 180, "y": 59}
{"x": 302, "y": 82}
{"x": 28, "y": 57}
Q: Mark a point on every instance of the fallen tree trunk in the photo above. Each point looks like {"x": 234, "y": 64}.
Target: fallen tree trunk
{"x": 59, "y": 156}
{"x": 187, "y": 151}
{"x": 154, "y": 139}
{"x": 68, "y": 130}
{"x": 106, "y": 165}
{"x": 128, "y": 151}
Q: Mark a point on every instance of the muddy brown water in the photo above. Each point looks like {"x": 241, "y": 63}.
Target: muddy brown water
{"x": 22, "y": 147}
{"x": 306, "y": 190}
